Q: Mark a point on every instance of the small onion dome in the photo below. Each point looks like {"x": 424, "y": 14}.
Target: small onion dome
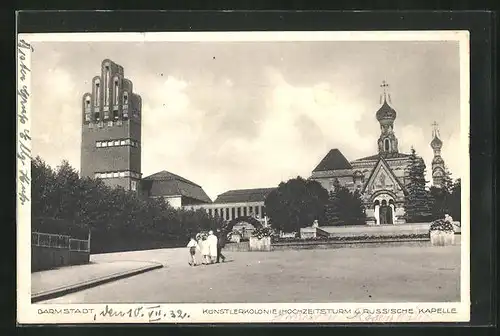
{"x": 386, "y": 112}
{"x": 437, "y": 160}
{"x": 436, "y": 142}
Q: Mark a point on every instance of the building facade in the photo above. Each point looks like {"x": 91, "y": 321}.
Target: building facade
{"x": 111, "y": 129}
{"x": 242, "y": 208}
{"x": 111, "y": 142}
{"x": 381, "y": 179}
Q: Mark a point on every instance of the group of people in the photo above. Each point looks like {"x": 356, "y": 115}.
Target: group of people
{"x": 210, "y": 248}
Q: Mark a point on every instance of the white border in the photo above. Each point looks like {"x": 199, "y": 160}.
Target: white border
{"x": 235, "y": 313}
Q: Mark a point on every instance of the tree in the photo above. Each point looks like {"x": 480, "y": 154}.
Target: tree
{"x": 357, "y": 209}
{"x": 344, "y": 207}
{"x": 418, "y": 201}
{"x": 332, "y": 209}
{"x": 455, "y": 202}
{"x": 296, "y": 204}
{"x": 442, "y": 196}
{"x": 119, "y": 219}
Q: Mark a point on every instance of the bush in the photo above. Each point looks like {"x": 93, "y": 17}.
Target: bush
{"x": 441, "y": 225}
{"x": 348, "y": 238}
{"x": 263, "y": 232}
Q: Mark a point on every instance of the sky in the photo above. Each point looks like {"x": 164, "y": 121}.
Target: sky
{"x": 234, "y": 115}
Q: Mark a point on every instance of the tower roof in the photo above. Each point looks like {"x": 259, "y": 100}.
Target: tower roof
{"x": 165, "y": 183}
{"x": 334, "y": 160}
{"x": 386, "y": 112}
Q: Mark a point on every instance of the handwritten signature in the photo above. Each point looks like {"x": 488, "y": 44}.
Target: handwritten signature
{"x": 24, "y": 152}
{"x": 153, "y": 313}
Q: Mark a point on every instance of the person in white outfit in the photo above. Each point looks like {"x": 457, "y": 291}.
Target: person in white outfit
{"x": 192, "y": 246}
{"x": 212, "y": 246}
{"x": 204, "y": 249}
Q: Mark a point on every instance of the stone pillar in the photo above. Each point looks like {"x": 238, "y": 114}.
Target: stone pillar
{"x": 377, "y": 215}
{"x": 393, "y": 214}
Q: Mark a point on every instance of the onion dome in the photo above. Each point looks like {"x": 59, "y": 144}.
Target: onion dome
{"x": 436, "y": 143}
{"x": 385, "y": 112}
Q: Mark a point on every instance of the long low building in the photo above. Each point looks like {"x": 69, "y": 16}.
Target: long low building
{"x": 237, "y": 204}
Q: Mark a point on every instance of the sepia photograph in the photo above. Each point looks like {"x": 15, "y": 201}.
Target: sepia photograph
{"x": 243, "y": 177}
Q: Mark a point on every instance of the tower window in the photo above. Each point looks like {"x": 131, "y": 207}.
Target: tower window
{"x": 386, "y": 144}
{"x": 106, "y": 83}
{"x": 133, "y": 185}
{"x": 96, "y": 94}
{"x": 125, "y": 98}
{"x": 87, "y": 102}
{"x": 115, "y": 89}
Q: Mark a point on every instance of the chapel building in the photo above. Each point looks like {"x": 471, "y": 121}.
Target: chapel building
{"x": 381, "y": 179}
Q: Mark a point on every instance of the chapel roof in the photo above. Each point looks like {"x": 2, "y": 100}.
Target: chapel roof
{"x": 165, "y": 183}
{"x": 382, "y": 161}
{"x": 244, "y": 195}
{"x": 334, "y": 160}
{"x": 384, "y": 155}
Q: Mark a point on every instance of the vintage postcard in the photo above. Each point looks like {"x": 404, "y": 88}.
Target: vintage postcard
{"x": 243, "y": 177}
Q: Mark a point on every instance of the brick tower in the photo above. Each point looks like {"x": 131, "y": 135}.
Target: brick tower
{"x": 111, "y": 129}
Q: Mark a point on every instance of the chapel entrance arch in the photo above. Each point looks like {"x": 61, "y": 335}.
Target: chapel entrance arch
{"x": 384, "y": 207}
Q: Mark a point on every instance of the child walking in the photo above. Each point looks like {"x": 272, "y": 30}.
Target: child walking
{"x": 193, "y": 246}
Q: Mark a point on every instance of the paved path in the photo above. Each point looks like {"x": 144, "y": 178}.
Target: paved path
{"x": 66, "y": 279}
{"x": 382, "y": 274}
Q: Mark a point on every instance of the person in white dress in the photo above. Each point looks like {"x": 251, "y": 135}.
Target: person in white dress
{"x": 204, "y": 249}
{"x": 212, "y": 246}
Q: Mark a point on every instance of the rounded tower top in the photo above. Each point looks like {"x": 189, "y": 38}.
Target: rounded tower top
{"x": 436, "y": 143}
{"x": 386, "y": 112}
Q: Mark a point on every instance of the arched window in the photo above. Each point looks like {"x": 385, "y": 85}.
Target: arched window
{"x": 106, "y": 83}
{"x": 87, "y": 102}
{"x": 97, "y": 93}
{"x": 387, "y": 144}
{"x": 115, "y": 91}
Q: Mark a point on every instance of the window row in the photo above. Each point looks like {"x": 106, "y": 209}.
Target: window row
{"x": 114, "y": 143}
{"x": 232, "y": 213}
{"x": 115, "y": 174}
{"x": 115, "y": 115}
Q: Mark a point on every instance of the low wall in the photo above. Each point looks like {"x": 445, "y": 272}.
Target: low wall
{"x": 78, "y": 257}
{"x": 237, "y": 247}
{"x": 48, "y": 257}
{"x": 43, "y": 258}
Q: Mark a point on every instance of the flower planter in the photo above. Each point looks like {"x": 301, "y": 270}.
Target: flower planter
{"x": 442, "y": 238}
{"x": 263, "y": 244}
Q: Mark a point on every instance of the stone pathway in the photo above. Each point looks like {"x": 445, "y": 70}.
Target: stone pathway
{"x": 56, "y": 282}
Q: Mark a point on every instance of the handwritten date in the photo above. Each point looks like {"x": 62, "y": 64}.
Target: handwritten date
{"x": 153, "y": 313}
